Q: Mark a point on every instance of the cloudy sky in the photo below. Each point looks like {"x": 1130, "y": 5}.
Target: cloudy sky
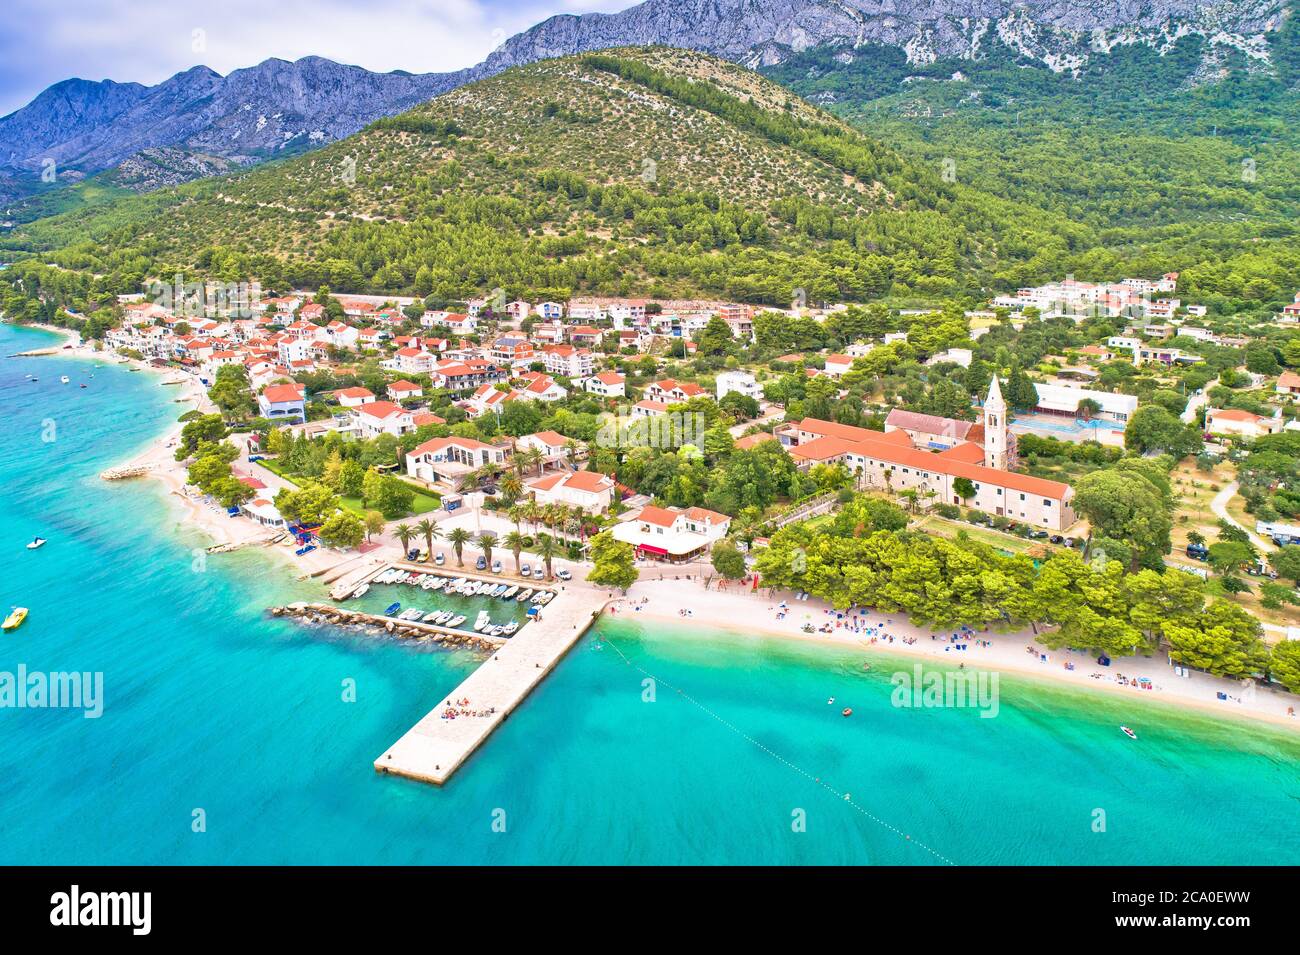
{"x": 44, "y": 41}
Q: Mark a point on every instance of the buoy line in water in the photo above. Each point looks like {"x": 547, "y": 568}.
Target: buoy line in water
{"x": 843, "y": 796}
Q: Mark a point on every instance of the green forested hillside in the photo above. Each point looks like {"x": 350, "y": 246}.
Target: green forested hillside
{"x": 652, "y": 170}
{"x": 669, "y": 173}
{"x": 1187, "y": 158}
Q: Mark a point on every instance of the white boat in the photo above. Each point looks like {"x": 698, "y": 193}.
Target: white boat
{"x": 484, "y": 618}
{"x": 438, "y": 583}
{"x": 524, "y": 595}
{"x": 456, "y": 621}
{"x": 413, "y": 615}
{"x": 498, "y": 590}
{"x": 444, "y": 617}
{"x": 432, "y": 616}
{"x": 495, "y": 631}
{"x": 361, "y": 591}
{"x": 427, "y": 582}
{"x": 36, "y": 542}
{"x": 510, "y": 592}
{"x": 510, "y": 628}
{"x": 545, "y": 598}
{"x": 64, "y": 379}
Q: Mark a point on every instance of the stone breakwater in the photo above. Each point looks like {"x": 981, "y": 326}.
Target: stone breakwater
{"x": 122, "y": 473}
{"x": 372, "y": 623}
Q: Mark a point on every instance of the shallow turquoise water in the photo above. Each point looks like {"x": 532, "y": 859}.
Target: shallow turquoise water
{"x": 211, "y": 705}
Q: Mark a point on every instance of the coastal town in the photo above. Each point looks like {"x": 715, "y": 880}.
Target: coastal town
{"x": 1066, "y": 438}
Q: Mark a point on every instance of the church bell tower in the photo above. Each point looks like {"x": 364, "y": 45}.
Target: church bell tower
{"x": 995, "y": 428}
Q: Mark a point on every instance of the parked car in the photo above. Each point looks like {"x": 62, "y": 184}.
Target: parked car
{"x": 563, "y": 574}
{"x": 1198, "y": 551}
{"x": 1038, "y": 534}
{"x": 1057, "y": 539}
{"x": 525, "y": 569}
{"x": 439, "y": 559}
{"x": 481, "y": 563}
{"x": 496, "y": 566}
{"x": 539, "y": 573}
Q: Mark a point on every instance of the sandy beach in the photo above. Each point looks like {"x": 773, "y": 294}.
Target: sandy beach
{"x": 159, "y": 462}
{"x": 681, "y": 602}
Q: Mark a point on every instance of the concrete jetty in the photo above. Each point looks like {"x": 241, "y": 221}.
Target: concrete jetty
{"x": 435, "y": 747}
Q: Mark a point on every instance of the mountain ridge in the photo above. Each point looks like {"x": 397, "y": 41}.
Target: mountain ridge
{"x": 77, "y": 128}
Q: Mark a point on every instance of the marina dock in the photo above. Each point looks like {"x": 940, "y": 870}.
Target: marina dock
{"x": 435, "y": 747}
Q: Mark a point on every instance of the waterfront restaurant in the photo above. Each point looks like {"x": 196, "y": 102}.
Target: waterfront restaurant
{"x": 673, "y": 534}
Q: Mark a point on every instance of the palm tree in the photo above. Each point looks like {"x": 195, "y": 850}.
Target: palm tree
{"x": 458, "y": 538}
{"x": 515, "y": 541}
{"x": 430, "y": 531}
{"x": 533, "y": 514}
{"x": 533, "y": 458}
{"x": 512, "y": 488}
{"x": 517, "y": 512}
{"x": 547, "y": 550}
{"x": 404, "y": 533}
{"x": 571, "y": 451}
{"x": 484, "y": 542}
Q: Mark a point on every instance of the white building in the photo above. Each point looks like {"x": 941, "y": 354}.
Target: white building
{"x": 1064, "y": 400}
{"x": 741, "y": 382}
{"x": 673, "y": 534}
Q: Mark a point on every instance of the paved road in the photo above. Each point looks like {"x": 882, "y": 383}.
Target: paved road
{"x": 1220, "y": 508}
{"x": 1195, "y": 402}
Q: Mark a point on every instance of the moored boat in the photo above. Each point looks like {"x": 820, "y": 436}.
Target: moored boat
{"x": 510, "y": 628}
{"x": 15, "y": 619}
{"x": 456, "y": 621}
{"x": 361, "y": 591}
{"x": 510, "y": 593}
{"x": 392, "y": 610}
{"x": 1129, "y": 733}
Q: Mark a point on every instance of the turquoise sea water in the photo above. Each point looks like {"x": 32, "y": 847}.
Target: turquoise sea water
{"x": 211, "y": 705}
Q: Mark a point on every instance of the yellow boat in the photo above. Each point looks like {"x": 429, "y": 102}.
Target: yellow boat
{"x": 15, "y": 619}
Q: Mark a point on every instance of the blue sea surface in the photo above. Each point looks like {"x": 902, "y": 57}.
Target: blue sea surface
{"x": 215, "y": 712}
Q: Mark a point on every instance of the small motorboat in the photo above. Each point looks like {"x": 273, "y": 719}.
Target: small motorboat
{"x": 438, "y": 583}
{"x": 510, "y": 628}
{"x": 36, "y": 542}
{"x": 1128, "y": 732}
{"x": 483, "y": 620}
{"x": 443, "y": 617}
{"x": 392, "y": 610}
{"x": 432, "y": 616}
{"x": 847, "y": 711}
{"x": 15, "y": 619}
{"x": 494, "y": 631}
{"x": 524, "y": 595}
{"x": 63, "y": 379}
{"x": 510, "y": 593}
{"x": 456, "y": 621}
{"x": 361, "y": 591}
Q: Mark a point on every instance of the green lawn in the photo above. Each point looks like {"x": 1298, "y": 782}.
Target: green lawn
{"x": 943, "y": 527}
{"x": 423, "y": 503}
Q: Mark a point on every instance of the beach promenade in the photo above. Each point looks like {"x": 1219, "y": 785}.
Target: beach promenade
{"x": 435, "y": 747}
